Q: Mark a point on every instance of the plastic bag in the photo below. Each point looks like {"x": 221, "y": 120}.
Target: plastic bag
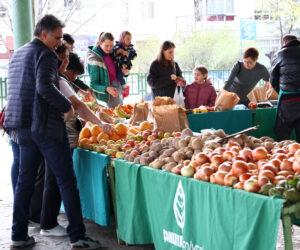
{"x": 179, "y": 97}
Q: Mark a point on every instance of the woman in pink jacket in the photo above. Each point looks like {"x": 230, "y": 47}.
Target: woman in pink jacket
{"x": 201, "y": 91}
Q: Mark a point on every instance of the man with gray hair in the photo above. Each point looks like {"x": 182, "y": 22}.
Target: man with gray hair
{"x": 35, "y": 109}
{"x": 285, "y": 79}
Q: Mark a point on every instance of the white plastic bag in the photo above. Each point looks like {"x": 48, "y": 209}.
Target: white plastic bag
{"x": 179, "y": 97}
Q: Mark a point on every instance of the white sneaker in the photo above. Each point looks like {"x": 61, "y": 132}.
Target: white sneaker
{"x": 56, "y": 231}
{"x": 85, "y": 244}
{"x": 32, "y": 224}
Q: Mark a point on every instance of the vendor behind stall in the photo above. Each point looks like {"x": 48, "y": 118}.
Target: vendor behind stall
{"x": 285, "y": 79}
{"x": 245, "y": 75}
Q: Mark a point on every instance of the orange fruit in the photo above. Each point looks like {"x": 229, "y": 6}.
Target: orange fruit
{"x": 103, "y": 135}
{"x": 146, "y": 125}
{"x": 114, "y": 137}
{"x": 96, "y": 130}
{"x": 121, "y": 129}
{"x": 83, "y": 141}
{"x": 85, "y": 133}
{"x": 93, "y": 139}
{"x": 133, "y": 131}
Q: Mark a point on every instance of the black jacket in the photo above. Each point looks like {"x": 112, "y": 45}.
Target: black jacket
{"x": 285, "y": 72}
{"x": 33, "y": 98}
{"x": 159, "y": 79}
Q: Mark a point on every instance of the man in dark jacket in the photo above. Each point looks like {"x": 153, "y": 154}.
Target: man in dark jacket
{"x": 35, "y": 108}
{"x": 285, "y": 79}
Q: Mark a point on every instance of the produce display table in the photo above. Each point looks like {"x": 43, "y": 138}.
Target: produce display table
{"x": 90, "y": 170}
{"x": 172, "y": 211}
{"x": 231, "y": 121}
{"x": 265, "y": 118}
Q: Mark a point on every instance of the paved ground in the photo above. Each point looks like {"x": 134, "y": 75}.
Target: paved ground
{"x": 106, "y": 236}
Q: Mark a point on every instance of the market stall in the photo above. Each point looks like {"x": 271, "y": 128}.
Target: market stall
{"x": 230, "y": 121}
{"x": 90, "y": 170}
{"x": 172, "y": 211}
{"x": 265, "y": 118}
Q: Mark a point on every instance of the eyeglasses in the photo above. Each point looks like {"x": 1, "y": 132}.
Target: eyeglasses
{"x": 249, "y": 62}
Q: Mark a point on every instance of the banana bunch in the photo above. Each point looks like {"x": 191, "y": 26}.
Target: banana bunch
{"x": 120, "y": 113}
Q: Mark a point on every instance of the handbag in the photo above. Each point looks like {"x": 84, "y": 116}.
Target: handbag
{"x": 2, "y": 117}
{"x": 179, "y": 97}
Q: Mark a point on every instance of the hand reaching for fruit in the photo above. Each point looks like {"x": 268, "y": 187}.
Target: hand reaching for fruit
{"x": 113, "y": 91}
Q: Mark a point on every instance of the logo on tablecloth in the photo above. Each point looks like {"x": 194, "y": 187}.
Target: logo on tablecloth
{"x": 179, "y": 212}
{"x": 179, "y": 206}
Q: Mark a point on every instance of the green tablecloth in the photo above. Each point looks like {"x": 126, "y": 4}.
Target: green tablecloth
{"x": 90, "y": 170}
{"x": 231, "y": 121}
{"x": 172, "y": 211}
{"x": 265, "y": 118}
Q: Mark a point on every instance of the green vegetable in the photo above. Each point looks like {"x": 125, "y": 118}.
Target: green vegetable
{"x": 292, "y": 195}
{"x": 265, "y": 188}
{"x": 293, "y": 182}
{"x": 282, "y": 183}
{"x": 276, "y": 191}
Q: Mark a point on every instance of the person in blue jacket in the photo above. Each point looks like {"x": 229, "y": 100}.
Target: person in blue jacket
{"x": 36, "y": 110}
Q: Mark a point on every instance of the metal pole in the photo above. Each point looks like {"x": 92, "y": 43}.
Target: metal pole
{"x": 22, "y": 22}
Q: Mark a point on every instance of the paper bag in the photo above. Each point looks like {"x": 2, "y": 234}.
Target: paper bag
{"x": 258, "y": 94}
{"x": 163, "y": 100}
{"x": 183, "y": 120}
{"x": 140, "y": 113}
{"x": 166, "y": 118}
{"x": 272, "y": 94}
{"x": 226, "y": 100}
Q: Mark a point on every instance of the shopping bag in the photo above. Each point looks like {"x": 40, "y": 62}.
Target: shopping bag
{"x": 179, "y": 97}
{"x": 166, "y": 118}
{"x": 140, "y": 113}
{"x": 272, "y": 94}
{"x": 258, "y": 94}
{"x": 226, "y": 100}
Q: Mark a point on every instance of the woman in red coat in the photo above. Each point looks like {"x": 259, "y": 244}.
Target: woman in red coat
{"x": 201, "y": 91}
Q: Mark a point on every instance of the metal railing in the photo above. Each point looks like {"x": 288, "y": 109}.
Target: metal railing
{"x": 138, "y": 82}
{"x": 3, "y": 91}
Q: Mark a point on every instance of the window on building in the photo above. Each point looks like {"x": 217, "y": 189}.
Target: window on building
{"x": 151, "y": 10}
{"x": 219, "y": 7}
{"x": 147, "y": 9}
{"x": 262, "y": 12}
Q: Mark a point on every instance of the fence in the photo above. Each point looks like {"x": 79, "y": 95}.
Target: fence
{"x": 3, "y": 91}
{"x": 138, "y": 82}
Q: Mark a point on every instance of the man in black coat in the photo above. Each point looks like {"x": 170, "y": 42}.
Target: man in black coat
{"x": 35, "y": 108}
{"x": 285, "y": 79}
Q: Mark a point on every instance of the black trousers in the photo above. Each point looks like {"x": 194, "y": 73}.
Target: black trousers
{"x": 46, "y": 200}
{"x": 288, "y": 118}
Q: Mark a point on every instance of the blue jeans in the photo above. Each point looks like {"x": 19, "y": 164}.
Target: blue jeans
{"x": 15, "y": 165}
{"x": 59, "y": 160}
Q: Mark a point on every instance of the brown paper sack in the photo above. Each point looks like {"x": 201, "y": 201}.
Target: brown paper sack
{"x": 260, "y": 93}
{"x": 272, "y": 94}
{"x": 166, "y": 118}
{"x": 226, "y": 100}
{"x": 183, "y": 120}
{"x": 140, "y": 113}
